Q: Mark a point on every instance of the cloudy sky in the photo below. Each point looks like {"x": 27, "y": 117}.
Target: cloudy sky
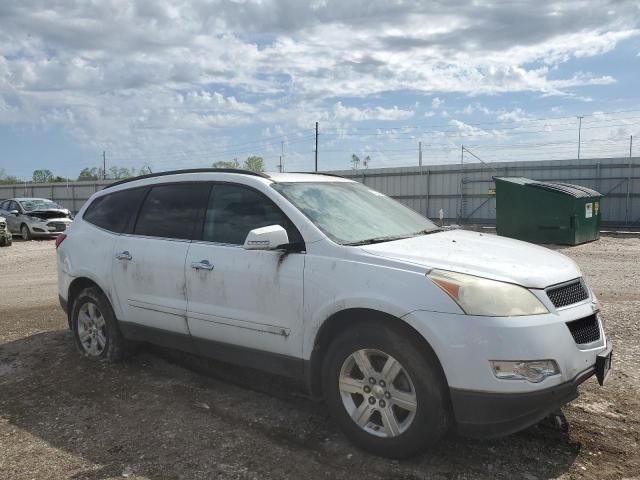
{"x": 177, "y": 84}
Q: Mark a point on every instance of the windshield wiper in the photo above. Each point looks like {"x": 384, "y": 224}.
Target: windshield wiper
{"x": 370, "y": 241}
{"x": 429, "y": 232}
{"x": 391, "y": 238}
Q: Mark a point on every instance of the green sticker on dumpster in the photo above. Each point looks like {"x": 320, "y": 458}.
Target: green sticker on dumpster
{"x": 588, "y": 210}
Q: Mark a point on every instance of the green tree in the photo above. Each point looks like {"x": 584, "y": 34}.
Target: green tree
{"x": 119, "y": 173}
{"x": 227, "y": 164}
{"x": 355, "y": 161}
{"x": 88, "y": 174}
{"x": 42, "y": 176}
{"x": 7, "y": 179}
{"x": 254, "y": 163}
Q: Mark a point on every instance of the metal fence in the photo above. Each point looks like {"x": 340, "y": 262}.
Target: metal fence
{"x": 461, "y": 191}
{"x": 71, "y": 195}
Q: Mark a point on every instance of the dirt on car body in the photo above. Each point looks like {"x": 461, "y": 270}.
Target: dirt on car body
{"x": 168, "y": 415}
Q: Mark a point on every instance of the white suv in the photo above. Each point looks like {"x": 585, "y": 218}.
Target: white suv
{"x": 404, "y": 329}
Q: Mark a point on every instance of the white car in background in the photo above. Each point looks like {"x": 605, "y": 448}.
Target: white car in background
{"x": 403, "y": 329}
{"x": 35, "y": 217}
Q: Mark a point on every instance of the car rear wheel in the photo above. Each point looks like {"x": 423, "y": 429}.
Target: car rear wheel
{"x": 95, "y": 327}
{"x": 384, "y": 391}
{"x": 25, "y": 232}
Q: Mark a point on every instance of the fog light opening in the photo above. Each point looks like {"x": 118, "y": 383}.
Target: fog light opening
{"x": 534, "y": 371}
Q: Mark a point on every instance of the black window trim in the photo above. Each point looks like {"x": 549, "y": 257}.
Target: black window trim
{"x": 198, "y": 232}
{"x": 131, "y": 225}
{"x": 199, "y": 217}
{"x": 199, "y": 238}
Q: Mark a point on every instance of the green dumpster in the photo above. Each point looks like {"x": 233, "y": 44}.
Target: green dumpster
{"x": 546, "y": 212}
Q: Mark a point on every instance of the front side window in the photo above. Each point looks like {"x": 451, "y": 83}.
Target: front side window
{"x": 350, "y": 213}
{"x": 117, "y": 211}
{"x": 172, "y": 211}
{"x": 234, "y": 211}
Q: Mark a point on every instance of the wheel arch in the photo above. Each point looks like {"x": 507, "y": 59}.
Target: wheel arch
{"x": 351, "y": 318}
{"x": 75, "y": 287}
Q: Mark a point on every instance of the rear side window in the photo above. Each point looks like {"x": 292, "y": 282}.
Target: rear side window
{"x": 172, "y": 211}
{"x": 234, "y": 211}
{"x": 117, "y": 211}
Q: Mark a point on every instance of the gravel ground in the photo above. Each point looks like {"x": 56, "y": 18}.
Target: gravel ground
{"x": 162, "y": 415}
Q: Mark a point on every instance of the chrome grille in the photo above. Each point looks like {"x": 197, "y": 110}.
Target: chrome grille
{"x": 568, "y": 294}
{"x": 585, "y": 330}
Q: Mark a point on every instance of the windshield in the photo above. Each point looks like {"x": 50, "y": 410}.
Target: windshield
{"x": 38, "y": 204}
{"x": 351, "y": 213}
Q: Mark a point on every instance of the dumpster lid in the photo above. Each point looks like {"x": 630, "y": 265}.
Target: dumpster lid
{"x": 576, "y": 191}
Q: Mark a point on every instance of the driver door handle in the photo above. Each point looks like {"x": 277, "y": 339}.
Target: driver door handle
{"x": 124, "y": 255}
{"x": 202, "y": 265}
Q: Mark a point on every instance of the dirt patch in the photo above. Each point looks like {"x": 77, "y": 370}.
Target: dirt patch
{"x": 162, "y": 415}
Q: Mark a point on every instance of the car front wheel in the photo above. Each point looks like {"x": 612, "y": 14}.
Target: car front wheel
{"x": 24, "y": 231}
{"x": 385, "y": 391}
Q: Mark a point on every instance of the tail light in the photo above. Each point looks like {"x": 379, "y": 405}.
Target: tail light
{"x": 59, "y": 239}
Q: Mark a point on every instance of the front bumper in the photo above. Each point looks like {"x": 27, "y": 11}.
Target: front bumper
{"x": 489, "y": 415}
{"x": 486, "y": 406}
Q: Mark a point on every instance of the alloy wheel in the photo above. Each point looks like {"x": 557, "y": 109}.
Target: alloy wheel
{"x": 378, "y": 393}
{"x": 92, "y": 329}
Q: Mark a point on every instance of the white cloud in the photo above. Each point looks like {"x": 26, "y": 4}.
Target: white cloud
{"x": 341, "y": 113}
{"x": 157, "y": 74}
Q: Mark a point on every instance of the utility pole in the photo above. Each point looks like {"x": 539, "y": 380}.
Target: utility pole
{"x": 580, "y": 117}
{"x": 280, "y": 165}
{"x": 281, "y": 156}
{"x": 461, "y": 182}
{"x": 316, "y": 147}
{"x": 626, "y": 213}
{"x": 420, "y": 153}
{"x": 104, "y": 165}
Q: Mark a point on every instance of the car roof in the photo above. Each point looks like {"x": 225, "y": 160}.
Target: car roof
{"x": 213, "y": 174}
{"x": 30, "y": 199}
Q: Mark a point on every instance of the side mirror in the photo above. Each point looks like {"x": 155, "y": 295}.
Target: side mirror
{"x": 15, "y": 213}
{"x": 266, "y": 238}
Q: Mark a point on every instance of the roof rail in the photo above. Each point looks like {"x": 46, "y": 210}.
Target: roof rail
{"x": 189, "y": 170}
{"x": 322, "y": 173}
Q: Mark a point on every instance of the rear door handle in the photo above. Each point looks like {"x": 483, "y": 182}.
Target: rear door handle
{"x": 124, "y": 256}
{"x": 202, "y": 265}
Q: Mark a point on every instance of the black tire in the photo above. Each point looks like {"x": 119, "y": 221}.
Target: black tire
{"x": 25, "y": 232}
{"x": 431, "y": 418}
{"x": 116, "y": 347}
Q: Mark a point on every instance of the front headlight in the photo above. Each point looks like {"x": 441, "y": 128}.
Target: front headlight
{"x": 481, "y": 296}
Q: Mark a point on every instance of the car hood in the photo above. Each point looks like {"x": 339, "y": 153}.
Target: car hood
{"x": 482, "y": 254}
{"x": 50, "y": 214}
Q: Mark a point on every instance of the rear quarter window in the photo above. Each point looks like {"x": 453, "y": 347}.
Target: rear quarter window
{"x": 117, "y": 211}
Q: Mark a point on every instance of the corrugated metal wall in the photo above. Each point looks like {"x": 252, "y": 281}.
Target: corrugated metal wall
{"x": 70, "y": 195}
{"x": 462, "y": 192}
